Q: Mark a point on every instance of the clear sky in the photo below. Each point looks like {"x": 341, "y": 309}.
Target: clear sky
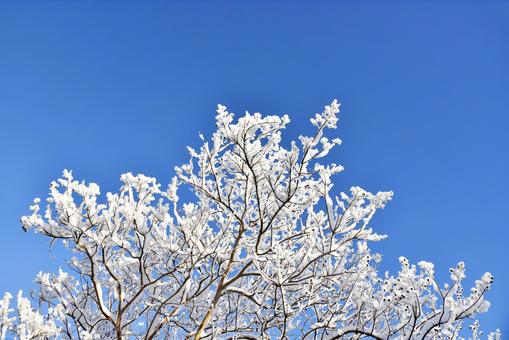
{"x": 104, "y": 88}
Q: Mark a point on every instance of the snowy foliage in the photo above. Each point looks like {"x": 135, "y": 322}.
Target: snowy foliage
{"x": 263, "y": 251}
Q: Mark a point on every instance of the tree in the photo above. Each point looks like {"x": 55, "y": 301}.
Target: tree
{"x": 263, "y": 250}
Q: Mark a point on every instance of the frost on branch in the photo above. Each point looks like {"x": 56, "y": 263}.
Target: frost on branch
{"x": 264, "y": 250}
{"x": 26, "y": 323}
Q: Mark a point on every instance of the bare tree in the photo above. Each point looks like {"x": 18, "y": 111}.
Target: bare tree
{"x": 262, "y": 251}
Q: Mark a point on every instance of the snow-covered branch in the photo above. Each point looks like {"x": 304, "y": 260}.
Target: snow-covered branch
{"x": 264, "y": 249}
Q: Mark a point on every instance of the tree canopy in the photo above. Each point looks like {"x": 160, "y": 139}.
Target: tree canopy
{"x": 263, "y": 250}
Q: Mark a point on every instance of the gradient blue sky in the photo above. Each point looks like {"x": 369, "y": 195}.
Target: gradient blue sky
{"x": 109, "y": 87}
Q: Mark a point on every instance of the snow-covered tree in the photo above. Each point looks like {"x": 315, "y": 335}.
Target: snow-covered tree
{"x": 263, "y": 250}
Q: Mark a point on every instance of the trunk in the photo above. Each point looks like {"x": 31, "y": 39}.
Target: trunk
{"x": 204, "y": 323}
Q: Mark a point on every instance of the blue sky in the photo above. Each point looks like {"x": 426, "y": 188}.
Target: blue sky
{"x": 109, "y": 87}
